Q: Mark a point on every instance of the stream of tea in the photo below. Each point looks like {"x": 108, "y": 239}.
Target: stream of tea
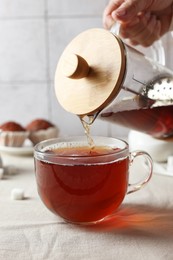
{"x": 86, "y": 125}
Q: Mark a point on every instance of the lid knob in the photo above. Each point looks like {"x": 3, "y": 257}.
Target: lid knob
{"x": 74, "y": 66}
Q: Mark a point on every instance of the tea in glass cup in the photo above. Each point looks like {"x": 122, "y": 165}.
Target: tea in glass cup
{"x": 85, "y": 184}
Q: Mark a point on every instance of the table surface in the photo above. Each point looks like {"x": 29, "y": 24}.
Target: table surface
{"x": 142, "y": 228}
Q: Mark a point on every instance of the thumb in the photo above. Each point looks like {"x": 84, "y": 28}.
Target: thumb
{"x": 130, "y": 8}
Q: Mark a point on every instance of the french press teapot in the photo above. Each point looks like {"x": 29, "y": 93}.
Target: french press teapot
{"x": 100, "y": 76}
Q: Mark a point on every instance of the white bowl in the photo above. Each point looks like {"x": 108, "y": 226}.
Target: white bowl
{"x": 159, "y": 150}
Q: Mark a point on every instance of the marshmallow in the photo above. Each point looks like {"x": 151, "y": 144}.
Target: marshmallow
{"x": 17, "y": 194}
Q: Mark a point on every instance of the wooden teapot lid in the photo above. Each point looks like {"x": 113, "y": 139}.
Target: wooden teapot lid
{"x": 90, "y": 72}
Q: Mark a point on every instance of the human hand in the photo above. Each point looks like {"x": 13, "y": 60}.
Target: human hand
{"x": 141, "y": 21}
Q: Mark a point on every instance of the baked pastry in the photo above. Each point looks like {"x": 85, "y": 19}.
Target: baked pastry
{"x": 41, "y": 129}
{"x": 12, "y": 134}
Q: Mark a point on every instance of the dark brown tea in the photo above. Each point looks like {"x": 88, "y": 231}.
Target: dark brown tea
{"x": 156, "y": 121}
{"x": 84, "y": 190}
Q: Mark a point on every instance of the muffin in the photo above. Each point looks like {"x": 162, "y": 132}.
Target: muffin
{"x": 12, "y": 134}
{"x": 41, "y": 129}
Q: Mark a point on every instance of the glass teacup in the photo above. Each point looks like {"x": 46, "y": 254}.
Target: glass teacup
{"x": 84, "y": 184}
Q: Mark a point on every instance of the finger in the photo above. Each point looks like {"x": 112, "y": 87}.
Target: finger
{"x": 130, "y": 30}
{"x": 108, "y": 20}
{"x": 145, "y": 35}
{"x": 129, "y": 9}
{"x": 133, "y": 43}
{"x": 153, "y": 36}
{"x": 150, "y": 33}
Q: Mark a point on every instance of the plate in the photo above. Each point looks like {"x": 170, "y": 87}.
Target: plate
{"x": 26, "y": 149}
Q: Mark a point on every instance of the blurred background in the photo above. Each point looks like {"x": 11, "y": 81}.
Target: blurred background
{"x": 33, "y": 34}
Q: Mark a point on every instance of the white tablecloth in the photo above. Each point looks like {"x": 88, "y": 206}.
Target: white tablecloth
{"x": 141, "y": 229}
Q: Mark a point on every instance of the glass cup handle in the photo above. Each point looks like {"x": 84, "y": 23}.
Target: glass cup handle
{"x": 148, "y": 163}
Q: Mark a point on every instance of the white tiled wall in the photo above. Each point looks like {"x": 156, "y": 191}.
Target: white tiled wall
{"x": 33, "y": 34}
